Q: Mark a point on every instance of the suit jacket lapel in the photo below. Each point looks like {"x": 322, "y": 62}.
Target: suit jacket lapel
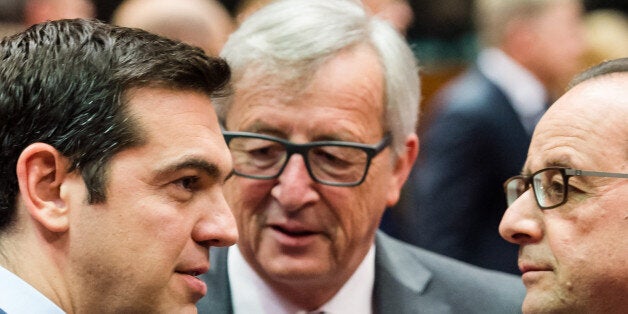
{"x": 401, "y": 281}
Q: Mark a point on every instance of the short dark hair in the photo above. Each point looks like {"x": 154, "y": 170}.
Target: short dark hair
{"x": 64, "y": 83}
{"x": 604, "y": 68}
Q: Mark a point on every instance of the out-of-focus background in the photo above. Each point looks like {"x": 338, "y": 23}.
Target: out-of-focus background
{"x": 441, "y": 32}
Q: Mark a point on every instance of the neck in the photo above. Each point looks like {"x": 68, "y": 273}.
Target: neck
{"x": 32, "y": 257}
{"x": 306, "y": 296}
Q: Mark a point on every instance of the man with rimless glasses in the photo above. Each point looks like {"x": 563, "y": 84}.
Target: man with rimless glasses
{"x": 568, "y": 211}
{"x": 321, "y": 128}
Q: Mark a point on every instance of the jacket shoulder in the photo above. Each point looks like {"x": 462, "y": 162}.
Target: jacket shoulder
{"x": 417, "y": 275}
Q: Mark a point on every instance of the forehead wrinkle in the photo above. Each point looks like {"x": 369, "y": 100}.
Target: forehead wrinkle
{"x": 589, "y": 119}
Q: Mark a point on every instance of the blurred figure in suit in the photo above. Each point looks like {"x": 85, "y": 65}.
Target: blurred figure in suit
{"x": 481, "y": 129}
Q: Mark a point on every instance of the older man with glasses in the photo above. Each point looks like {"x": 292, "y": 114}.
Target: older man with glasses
{"x": 568, "y": 211}
{"x": 321, "y": 129}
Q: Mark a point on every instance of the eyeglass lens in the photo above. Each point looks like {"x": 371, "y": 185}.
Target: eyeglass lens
{"x": 264, "y": 158}
{"x": 549, "y": 187}
{"x": 548, "y": 184}
{"x": 515, "y": 187}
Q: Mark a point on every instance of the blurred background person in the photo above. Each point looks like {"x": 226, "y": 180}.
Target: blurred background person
{"x": 17, "y": 15}
{"x": 606, "y": 34}
{"x": 481, "y": 129}
{"x": 398, "y": 13}
{"x": 37, "y": 11}
{"x": 202, "y": 23}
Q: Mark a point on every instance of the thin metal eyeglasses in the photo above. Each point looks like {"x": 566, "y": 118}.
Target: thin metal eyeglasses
{"x": 335, "y": 163}
{"x": 550, "y": 185}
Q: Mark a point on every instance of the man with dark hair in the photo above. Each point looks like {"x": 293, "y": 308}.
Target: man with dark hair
{"x": 568, "y": 210}
{"x": 100, "y": 209}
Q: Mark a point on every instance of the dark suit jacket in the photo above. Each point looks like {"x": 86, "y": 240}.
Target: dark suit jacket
{"x": 453, "y": 201}
{"x": 407, "y": 280}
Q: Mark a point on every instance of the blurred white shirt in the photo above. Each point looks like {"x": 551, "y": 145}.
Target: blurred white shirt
{"x": 525, "y": 92}
{"x": 250, "y": 294}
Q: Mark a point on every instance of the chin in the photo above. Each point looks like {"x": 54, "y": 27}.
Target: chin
{"x": 188, "y": 308}
{"x": 295, "y": 271}
{"x": 545, "y": 305}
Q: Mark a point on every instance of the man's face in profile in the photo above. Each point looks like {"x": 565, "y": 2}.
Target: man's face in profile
{"x": 141, "y": 250}
{"x": 574, "y": 257}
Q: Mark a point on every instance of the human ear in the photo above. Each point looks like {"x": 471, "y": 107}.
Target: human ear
{"x": 41, "y": 170}
{"x": 402, "y": 167}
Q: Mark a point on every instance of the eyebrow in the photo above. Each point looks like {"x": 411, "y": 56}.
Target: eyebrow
{"x": 263, "y": 128}
{"x": 562, "y": 161}
{"x": 210, "y": 169}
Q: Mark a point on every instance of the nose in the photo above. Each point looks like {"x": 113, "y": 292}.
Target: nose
{"x": 522, "y": 221}
{"x": 217, "y": 227}
{"x": 294, "y": 188}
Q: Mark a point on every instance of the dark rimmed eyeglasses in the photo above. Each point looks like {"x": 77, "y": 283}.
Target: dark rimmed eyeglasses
{"x": 334, "y": 163}
{"x": 550, "y": 185}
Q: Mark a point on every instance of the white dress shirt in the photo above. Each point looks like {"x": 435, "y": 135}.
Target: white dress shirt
{"x": 522, "y": 88}
{"x": 250, "y": 294}
{"x": 18, "y": 297}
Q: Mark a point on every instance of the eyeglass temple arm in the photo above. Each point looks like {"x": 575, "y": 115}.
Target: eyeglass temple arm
{"x": 575, "y": 172}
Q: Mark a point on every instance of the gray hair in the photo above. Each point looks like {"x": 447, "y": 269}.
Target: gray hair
{"x": 287, "y": 40}
{"x": 493, "y": 16}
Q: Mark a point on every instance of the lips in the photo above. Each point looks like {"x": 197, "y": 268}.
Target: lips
{"x": 533, "y": 273}
{"x": 195, "y": 285}
{"x": 293, "y": 232}
{"x": 191, "y": 273}
{"x": 527, "y": 267}
{"x": 294, "y": 235}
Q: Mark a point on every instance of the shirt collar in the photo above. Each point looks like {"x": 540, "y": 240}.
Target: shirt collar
{"x": 523, "y": 89}
{"x": 17, "y": 296}
{"x": 250, "y": 294}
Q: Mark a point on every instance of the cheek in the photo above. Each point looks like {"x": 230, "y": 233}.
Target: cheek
{"x": 565, "y": 238}
{"x": 586, "y": 245}
{"x": 167, "y": 224}
{"x": 356, "y": 210}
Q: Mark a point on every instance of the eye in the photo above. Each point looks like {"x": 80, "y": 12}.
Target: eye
{"x": 330, "y": 158}
{"x": 266, "y": 152}
{"x": 338, "y": 157}
{"x": 189, "y": 183}
{"x": 555, "y": 186}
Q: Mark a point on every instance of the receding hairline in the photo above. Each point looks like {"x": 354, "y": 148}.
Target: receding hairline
{"x": 610, "y": 67}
